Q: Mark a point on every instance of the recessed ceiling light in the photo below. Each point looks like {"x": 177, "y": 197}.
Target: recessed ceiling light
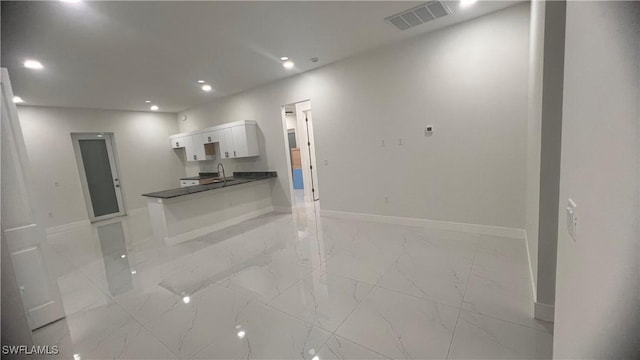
{"x": 17, "y": 100}
{"x": 201, "y": 81}
{"x": 71, "y": 1}
{"x": 206, "y": 87}
{"x": 284, "y": 58}
{"x": 186, "y": 299}
{"x": 288, "y": 64}
{"x": 154, "y": 108}
{"x": 33, "y": 64}
{"x": 465, "y": 3}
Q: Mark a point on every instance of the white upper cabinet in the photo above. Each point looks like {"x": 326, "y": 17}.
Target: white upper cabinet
{"x": 226, "y": 143}
{"x": 210, "y": 137}
{"x": 235, "y": 140}
{"x": 179, "y": 141}
{"x": 245, "y": 140}
{"x": 195, "y": 149}
{"x": 191, "y": 143}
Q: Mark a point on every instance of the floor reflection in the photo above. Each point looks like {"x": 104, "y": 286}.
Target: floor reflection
{"x": 115, "y": 255}
{"x": 291, "y": 286}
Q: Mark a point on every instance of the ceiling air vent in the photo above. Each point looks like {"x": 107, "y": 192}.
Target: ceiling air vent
{"x": 419, "y": 15}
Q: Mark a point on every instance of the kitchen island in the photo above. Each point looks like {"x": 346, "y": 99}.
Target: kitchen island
{"x": 185, "y": 213}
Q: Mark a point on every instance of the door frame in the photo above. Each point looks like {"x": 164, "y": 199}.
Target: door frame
{"x": 307, "y": 147}
{"x": 311, "y": 150}
{"x": 113, "y": 163}
{"x": 304, "y": 135}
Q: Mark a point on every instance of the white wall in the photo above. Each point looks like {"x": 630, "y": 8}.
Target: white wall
{"x": 597, "y": 289}
{"x": 468, "y": 80}
{"x": 543, "y": 144}
{"x": 534, "y": 126}
{"x": 146, "y": 161}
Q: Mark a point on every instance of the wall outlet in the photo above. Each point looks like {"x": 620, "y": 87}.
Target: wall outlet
{"x": 428, "y": 130}
{"x": 572, "y": 220}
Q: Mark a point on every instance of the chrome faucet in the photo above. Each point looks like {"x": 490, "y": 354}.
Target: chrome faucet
{"x": 224, "y": 177}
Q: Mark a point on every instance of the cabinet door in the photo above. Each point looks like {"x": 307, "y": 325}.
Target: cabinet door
{"x": 195, "y": 148}
{"x": 227, "y": 146}
{"x": 240, "y": 148}
{"x": 180, "y": 142}
{"x": 245, "y": 140}
{"x": 210, "y": 137}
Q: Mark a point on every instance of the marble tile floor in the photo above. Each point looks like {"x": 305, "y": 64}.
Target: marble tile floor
{"x": 293, "y": 286}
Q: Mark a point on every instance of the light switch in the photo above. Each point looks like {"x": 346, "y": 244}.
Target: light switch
{"x": 572, "y": 220}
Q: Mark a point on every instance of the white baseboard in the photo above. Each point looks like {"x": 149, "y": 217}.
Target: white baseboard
{"x": 534, "y": 291}
{"x": 78, "y": 224}
{"x": 544, "y": 312}
{"x": 173, "y": 240}
{"x": 432, "y": 224}
{"x": 137, "y": 211}
{"x": 283, "y": 209}
{"x": 66, "y": 227}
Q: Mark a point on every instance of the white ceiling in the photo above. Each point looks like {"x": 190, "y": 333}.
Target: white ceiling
{"x": 115, "y": 55}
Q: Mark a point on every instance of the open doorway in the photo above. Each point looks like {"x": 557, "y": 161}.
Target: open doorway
{"x": 299, "y": 138}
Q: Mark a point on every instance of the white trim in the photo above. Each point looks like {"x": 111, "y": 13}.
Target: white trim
{"x": 78, "y": 224}
{"x": 532, "y": 280}
{"x": 66, "y": 227}
{"x": 433, "y": 224}
{"x": 544, "y": 312}
{"x": 283, "y": 209}
{"x": 217, "y": 226}
{"x": 134, "y": 212}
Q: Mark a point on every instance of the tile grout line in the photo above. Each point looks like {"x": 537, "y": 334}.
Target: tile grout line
{"x": 375, "y": 286}
{"x": 510, "y": 322}
{"x": 453, "y": 334}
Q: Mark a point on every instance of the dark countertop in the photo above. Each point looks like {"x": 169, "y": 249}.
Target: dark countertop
{"x": 201, "y": 176}
{"x": 237, "y": 179}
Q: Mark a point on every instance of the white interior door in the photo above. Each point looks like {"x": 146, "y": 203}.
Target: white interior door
{"x": 315, "y": 193}
{"x": 99, "y": 175}
{"x": 25, "y": 239}
{"x": 307, "y": 150}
